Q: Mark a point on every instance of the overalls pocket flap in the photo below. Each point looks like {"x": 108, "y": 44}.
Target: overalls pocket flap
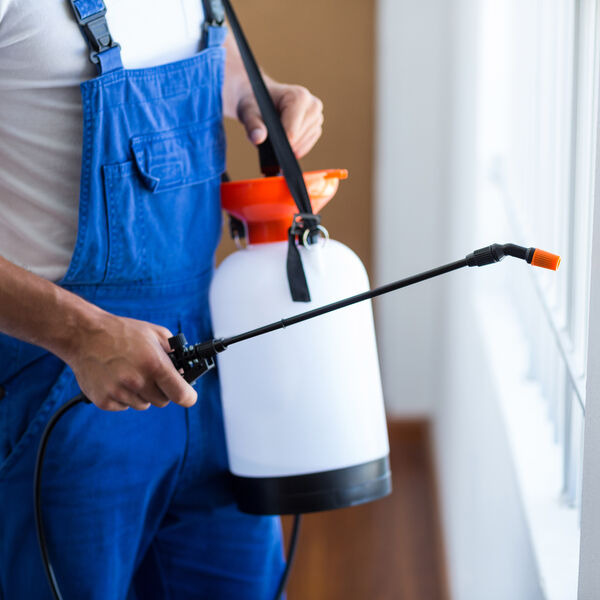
{"x": 180, "y": 157}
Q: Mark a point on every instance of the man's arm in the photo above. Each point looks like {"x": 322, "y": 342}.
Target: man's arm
{"x": 122, "y": 362}
{"x": 118, "y": 362}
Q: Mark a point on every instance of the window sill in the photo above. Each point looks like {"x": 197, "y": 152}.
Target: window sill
{"x": 537, "y": 460}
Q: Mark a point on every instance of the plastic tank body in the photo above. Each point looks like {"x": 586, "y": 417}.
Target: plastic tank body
{"x": 303, "y": 407}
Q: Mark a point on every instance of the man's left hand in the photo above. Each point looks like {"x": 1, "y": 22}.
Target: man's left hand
{"x": 301, "y": 112}
{"x": 301, "y": 116}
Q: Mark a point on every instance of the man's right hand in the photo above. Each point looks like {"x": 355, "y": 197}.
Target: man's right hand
{"x": 121, "y": 363}
{"x": 118, "y": 362}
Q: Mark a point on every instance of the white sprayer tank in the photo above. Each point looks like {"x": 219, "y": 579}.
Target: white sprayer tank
{"x": 303, "y": 406}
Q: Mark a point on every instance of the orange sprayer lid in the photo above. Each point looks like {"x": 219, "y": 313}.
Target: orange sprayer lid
{"x": 266, "y": 206}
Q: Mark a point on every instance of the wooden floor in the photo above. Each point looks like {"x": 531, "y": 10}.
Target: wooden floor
{"x": 386, "y": 550}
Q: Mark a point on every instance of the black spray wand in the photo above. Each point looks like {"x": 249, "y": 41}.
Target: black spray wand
{"x": 195, "y": 360}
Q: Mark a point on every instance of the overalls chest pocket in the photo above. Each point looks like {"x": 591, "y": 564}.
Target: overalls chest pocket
{"x": 163, "y": 207}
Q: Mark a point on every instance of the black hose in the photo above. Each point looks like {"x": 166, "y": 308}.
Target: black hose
{"x": 290, "y": 557}
{"x": 39, "y": 520}
{"x": 37, "y": 485}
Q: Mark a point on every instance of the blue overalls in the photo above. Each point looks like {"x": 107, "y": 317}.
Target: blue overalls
{"x": 137, "y": 505}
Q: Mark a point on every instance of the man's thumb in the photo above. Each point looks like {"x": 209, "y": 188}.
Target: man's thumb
{"x": 257, "y": 135}
{"x": 255, "y": 128}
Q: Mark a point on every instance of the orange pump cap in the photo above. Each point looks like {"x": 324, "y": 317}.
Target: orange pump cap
{"x": 546, "y": 260}
{"x": 266, "y": 206}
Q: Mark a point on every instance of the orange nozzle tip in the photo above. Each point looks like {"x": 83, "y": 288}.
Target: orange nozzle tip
{"x": 546, "y": 260}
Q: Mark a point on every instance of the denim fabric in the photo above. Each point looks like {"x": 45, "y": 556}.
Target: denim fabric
{"x": 88, "y": 8}
{"x": 137, "y": 505}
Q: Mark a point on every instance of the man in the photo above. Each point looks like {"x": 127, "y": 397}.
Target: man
{"x": 96, "y": 273}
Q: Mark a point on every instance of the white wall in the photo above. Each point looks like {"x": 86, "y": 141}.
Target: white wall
{"x": 433, "y": 360}
{"x": 410, "y": 174}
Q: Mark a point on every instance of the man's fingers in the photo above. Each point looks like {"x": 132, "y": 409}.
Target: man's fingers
{"x": 142, "y": 388}
{"x": 304, "y": 145}
{"x": 297, "y": 106}
{"x": 111, "y": 405}
{"x": 128, "y": 398}
{"x": 301, "y": 116}
{"x": 151, "y": 393}
{"x": 163, "y": 336}
{"x": 312, "y": 128}
{"x": 312, "y": 122}
{"x": 174, "y": 386}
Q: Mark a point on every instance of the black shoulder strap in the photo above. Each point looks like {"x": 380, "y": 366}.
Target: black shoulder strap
{"x": 275, "y": 150}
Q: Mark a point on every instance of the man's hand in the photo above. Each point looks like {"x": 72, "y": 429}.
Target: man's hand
{"x": 118, "y": 362}
{"x": 301, "y": 116}
{"x": 301, "y": 112}
{"x": 121, "y": 363}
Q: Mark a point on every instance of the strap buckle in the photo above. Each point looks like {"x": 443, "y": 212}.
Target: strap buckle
{"x": 214, "y": 13}
{"x": 96, "y": 31}
{"x": 306, "y": 226}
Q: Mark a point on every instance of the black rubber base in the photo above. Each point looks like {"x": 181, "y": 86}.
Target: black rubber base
{"x": 314, "y": 492}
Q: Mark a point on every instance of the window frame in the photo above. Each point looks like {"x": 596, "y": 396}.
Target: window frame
{"x": 565, "y": 385}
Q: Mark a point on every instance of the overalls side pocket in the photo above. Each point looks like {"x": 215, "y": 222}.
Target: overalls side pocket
{"x": 157, "y": 202}
{"x": 30, "y": 398}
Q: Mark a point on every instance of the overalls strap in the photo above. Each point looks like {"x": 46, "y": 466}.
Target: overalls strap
{"x": 106, "y": 53}
{"x": 213, "y": 32}
{"x": 213, "y": 35}
{"x": 91, "y": 17}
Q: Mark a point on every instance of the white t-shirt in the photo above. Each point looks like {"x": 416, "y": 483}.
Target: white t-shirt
{"x": 43, "y": 59}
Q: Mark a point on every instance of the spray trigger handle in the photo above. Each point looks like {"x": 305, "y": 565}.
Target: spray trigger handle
{"x": 188, "y": 361}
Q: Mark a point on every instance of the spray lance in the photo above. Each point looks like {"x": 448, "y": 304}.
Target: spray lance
{"x": 195, "y": 360}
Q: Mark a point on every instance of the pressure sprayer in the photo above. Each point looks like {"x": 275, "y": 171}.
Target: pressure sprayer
{"x": 303, "y": 409}
{"x": 277, "y": 493}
